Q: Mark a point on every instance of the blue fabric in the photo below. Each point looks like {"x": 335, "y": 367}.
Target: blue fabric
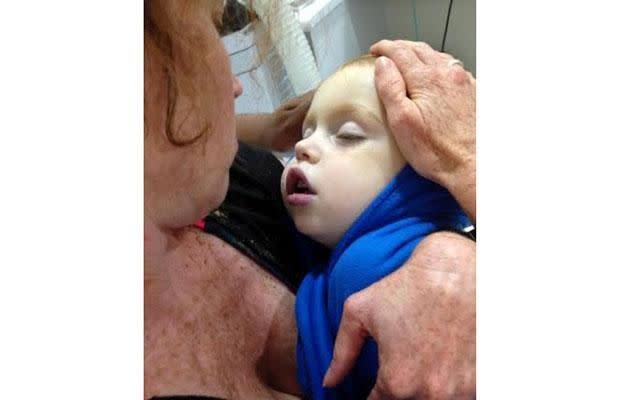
{"x": 377, "y": 243}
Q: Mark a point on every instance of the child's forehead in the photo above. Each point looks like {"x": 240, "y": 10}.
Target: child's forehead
{"x": 349, "y": 76}
{"x": 353, "y": 110}
{"x": 350, "y": 90}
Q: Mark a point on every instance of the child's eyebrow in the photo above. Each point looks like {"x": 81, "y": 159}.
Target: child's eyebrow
{"x": 356, "y": 110}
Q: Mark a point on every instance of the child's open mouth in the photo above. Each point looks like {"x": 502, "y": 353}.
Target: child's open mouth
{"x": 299, "y": 191}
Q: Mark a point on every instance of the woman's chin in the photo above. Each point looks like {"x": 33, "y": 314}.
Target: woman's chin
{"x": 216, "y": 196}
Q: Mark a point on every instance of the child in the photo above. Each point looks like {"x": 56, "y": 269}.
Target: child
{"x": 350, "y": 189}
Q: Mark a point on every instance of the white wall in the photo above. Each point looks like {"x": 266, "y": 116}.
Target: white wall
{"x": 334, "y": 40}
{"x": 354, "y": 25}
{"x": 431, "y": 18}
{"x": 258, "y": 94}
{"x": 461, "y": 40}
{"x": 348, "y": 30}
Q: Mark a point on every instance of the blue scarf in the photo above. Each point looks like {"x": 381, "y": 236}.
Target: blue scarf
{"x": 375, "y": 245}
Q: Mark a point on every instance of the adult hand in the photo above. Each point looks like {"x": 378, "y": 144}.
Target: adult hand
{"x": 430, "y": 105}
{"x": 423, "y": 319}
{"x": 286, "y": 122}
{"x": 279, "y": 130}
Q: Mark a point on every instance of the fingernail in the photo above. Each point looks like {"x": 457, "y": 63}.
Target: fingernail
{"x": 382, "y": 62}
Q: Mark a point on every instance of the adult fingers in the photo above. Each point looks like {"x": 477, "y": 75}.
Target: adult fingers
{"x": 425, "y": 52}
{"x": 383, "y": 47}
{"x": 396, "y": 49}
{"x": 376, "y": 48}
{"x": 403, "y": 115}
{"x": 306, "y": 98}
{"x": 389, "y": 83}
{"x": 413, "y": 70}
{"x": 350, "y": 338}
{"x": 392, "y": 90}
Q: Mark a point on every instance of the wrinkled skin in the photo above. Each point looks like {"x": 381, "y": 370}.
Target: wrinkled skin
{"x": 423, "y": 318}
{"x": 431, "y": 110}
{"x": 209, "y": 317}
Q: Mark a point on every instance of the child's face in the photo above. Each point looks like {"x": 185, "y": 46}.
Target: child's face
{"x": 346, "y": 157}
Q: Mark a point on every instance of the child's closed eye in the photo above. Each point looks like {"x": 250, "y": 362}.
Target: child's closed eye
{"x": 349, "y": 137}
{"x": 349, "y": 133}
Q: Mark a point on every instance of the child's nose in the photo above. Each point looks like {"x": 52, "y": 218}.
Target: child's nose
{"x": 306, "y": 151}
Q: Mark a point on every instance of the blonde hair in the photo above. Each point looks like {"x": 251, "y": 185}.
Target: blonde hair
{"x": 366, "y": 60}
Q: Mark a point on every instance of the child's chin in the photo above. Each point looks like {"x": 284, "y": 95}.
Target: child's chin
{"x": 306, "y": 225}
{"x": 312, "y": 230}
{"x": 303, "y": 226}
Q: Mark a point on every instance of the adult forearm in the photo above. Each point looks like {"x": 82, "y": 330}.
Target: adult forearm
{"x": 278, "y": 130}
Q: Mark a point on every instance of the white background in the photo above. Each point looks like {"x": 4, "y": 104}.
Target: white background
{"x": 553, "y": 111}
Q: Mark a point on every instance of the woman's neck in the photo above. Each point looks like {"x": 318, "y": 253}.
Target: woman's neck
{"x": 160, "y": 279}
{"x": 159, "y": 241}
